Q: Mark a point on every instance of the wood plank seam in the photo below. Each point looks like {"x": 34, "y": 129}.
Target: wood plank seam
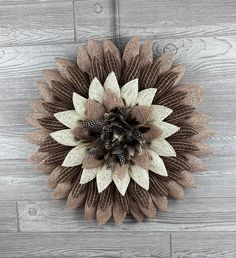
{"x": 74, "y": 21}
{"x": 117, "y": 21}
{"x": 17, "y": 217}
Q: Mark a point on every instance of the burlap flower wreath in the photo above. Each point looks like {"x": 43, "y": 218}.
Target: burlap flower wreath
{"x": 118, "y": 134}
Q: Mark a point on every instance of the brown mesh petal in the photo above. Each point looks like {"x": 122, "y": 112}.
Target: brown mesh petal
{"x": 160, "y": 202}
{"x": 141, "y": 113}
{"x": 111, "y": 100}
{"x": 183, "y": 146}
{"x": 149, "y": 76}
{"x": 51, "y": 123}
{"x": 150, "y": 211}
{"x": 54, "y": 107}
{"x": 36, "y": 105}
{"x": 49, "y": 145}
{"x": 142, "y": 159}
{"x": 152, "y": 133}
{"x": 95, "y": 50}
{"x": 166, "y": 81}
{"x": 63, "y": 65}
{"x": 62, "y": 190}
{"x": 80, "y": 81}
{"x": 176, "y": 163}
{"x": 135, "y": 210}
{"x": 80, "y": 133}
{"x": 195, "y": 95}
{"x": 90, "y": 162}
{"x": 146, "y": 54}
{"x": 33, "y": 119}
{"x": 68, "y": 173}
{"x": 37, "y": 137}
{"x": 97, "y": 70}
{"x": 203, "y": 134}
{"x": 140, "y": 195}
{"x": 83, "y": 60}
{"x": 37, "y": 156}
{"x": 92, "y": 195}
{"x": 185, "y": 131}
{"x": 156, "y": 185}
{"x": 194, "y": 163}
{"x": 63, "y": 92}
{"x": 53, "y": 75}
{"x": 187, "y": 179}
{"x": 198, "y": 119}
{"x": 118, "y": 213}
{"x": 108, "y": 46}
{"x": 53, "y": 177}
{"x": 45, "y": 91}
{"x": 112, "y": 64}
{"x": 94, "y": 110}
{"x": 45, "y": 169}
{"x": 90, "y": 211}
{"x": 174, "y": 189}
{"x": 56, "y": 158}
{"x": 165, "y": 62}
{"x": 123, "y": 200}
{"x": 172, "y": 99}
{"x": 75, "y": 202}
{"x": 121, "y": 171}
{"x": 131, "y": 71}
{"x": 131, "y": 50}
{"x": 77, "y": 187}
{"x": 181, "y": 113}
{"x": 203, "y": 149}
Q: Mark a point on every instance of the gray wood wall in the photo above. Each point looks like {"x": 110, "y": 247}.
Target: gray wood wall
{"x": 203, "y": 35}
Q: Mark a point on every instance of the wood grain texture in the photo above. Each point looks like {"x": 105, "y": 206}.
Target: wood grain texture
{"x": 36, "y": 23}
{"x": 82, "y": 245}
{"x": 24, "y": 188}
{"x": 185, "y": 18}
{"x": 94, "y": 19}
{"x": 20, "y": 67}
{"x": 202, "y": 35}
{"x": 8, "y": 217}
{"x": 200, "y": 214}
{"x": 25, "y": 2}
{"x": 204, "y": 245}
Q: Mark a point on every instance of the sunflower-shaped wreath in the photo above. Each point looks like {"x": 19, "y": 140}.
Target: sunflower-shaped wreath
{"x": 118, "y": 134}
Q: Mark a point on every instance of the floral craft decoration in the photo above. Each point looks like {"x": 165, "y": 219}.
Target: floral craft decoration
{"x": 118, "y": 133}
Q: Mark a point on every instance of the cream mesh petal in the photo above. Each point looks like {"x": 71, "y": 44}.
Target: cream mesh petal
{"x": 68, "y": 118}
{"x": 156, "y": 164}
{"x": 111, "y": 83}
{"x": 76, "y": 156}
{"x": 145, "y": 97}
{"x": 104, "y": 178}
{"x": 162, "y": 148}
{"x": 79, "y": 103}
{"x": 166, "y": 128}
{"x": 140, "y": 176}
{"x": 88, "y": 175}
{"x": 159, "y": 113}
{"x": 129, "y": 92}
{"x": 65, "y": 137}
{"x": 121, "y": 182}
{"x": 96, "y": 90}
